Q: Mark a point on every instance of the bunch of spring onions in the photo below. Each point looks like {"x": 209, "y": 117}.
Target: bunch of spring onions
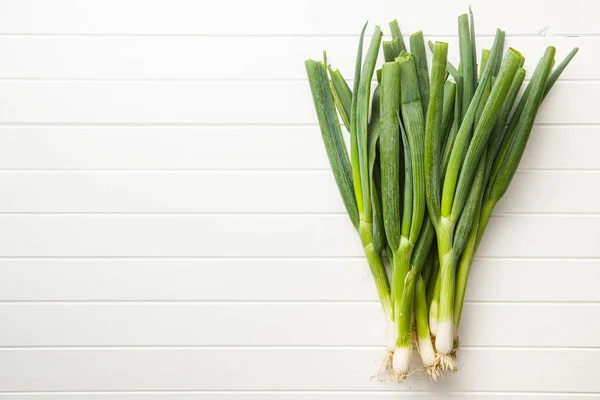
{"x": 431, "y": 151}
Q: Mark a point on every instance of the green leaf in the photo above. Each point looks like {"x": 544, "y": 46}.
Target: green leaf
{"x": 390, "y": 152}
{"x": 332, "y": 136}
{"x": 342, "y": 95}
{"x": 362, "y": 119}
{"x": 417, "y": 48}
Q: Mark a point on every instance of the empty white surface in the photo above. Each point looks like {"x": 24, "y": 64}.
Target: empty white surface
{"x": 170, "y": 229}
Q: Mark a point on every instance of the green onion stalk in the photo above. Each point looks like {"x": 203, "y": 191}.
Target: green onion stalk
{"x": 446, "y": 147}
{"x": 355, "y": 173}
{"x": 464, "y": 173}
{"x": 401, "y": 95}
{"x": 403, "y": 288}
{"x": 409, "y": 232}
{"x": 425, "y": 244}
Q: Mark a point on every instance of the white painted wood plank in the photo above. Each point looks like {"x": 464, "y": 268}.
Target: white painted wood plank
{"x": 566, "y": 370}
{"x": 184, "y": 57}
{"x": 551, "y": 325}
{"x": 174, "y": 147}
{"x": 562, "y": 147}
{"x": 205, "y": 192}
{"x": 490, "y": 280}
{"x": 307, "y": 17}
{"x": 163, "y": 102}
{"x": 235, "y": 147}
{"x": 282, "y": 324}
{"x": 552, "y": 191}
{"x": 252, "y": 192}
{"x": 266, "y": 235}
{"x": 504, "y": 280}
{"x": 532, "y": 280}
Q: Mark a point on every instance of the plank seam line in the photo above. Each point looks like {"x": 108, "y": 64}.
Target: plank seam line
{"x": 284, "y": 347}
{"x": 256, "y": 214}
{"x": 308, "y": 391}
{"x": 274, "y": 258}
{"x": 221, "y": 125}
{"x": 260, "y": 171}
{"x": 280, "y": 35}
{"x": 209, "y": 80}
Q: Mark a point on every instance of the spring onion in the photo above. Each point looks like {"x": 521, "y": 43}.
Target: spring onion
{"x": 429, "y": 158}
{"x": 351, "y": 173}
